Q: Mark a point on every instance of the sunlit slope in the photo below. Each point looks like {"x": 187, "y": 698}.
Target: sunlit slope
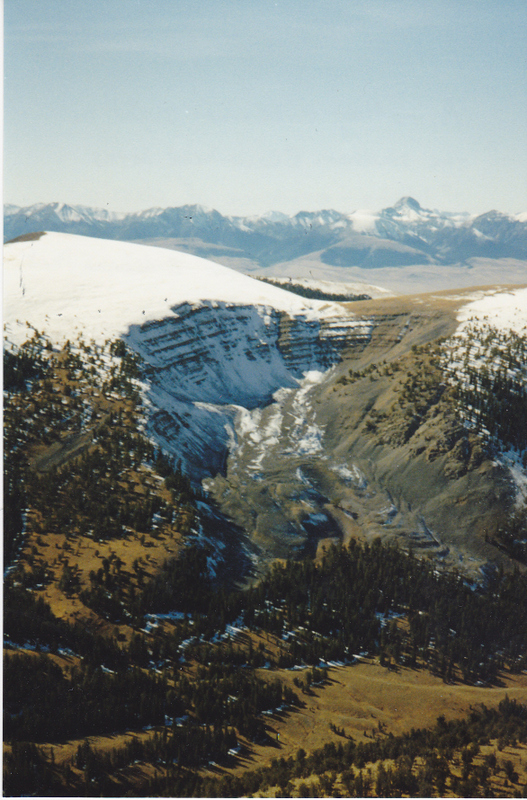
{"x": 62, "y": 283}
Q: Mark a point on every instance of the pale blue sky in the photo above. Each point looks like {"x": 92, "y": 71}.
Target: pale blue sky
{"x": 253, "y": 105}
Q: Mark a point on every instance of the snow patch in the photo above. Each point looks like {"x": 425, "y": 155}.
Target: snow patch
{"x": 512, "y": 461}
{"x": 503, "y": 310}
{"x": 364, "y": 221}
{"x": 352, "y": 474}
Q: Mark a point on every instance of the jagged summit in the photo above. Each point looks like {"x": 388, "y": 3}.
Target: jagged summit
{"x": 407, "y": 202}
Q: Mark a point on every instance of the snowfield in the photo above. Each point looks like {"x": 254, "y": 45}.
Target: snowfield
{"x": 506, "y": 310}
{"x": 64, "y": 284}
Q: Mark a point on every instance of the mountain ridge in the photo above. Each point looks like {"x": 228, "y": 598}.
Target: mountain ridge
{"x": 431, "y": 236}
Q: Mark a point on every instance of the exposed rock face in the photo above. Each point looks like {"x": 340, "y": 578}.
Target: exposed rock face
{"x": 305, "y": 428}
{"x": 211, "y": 361}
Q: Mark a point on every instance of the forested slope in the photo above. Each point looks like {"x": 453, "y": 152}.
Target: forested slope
{"x": 133, "y": 660}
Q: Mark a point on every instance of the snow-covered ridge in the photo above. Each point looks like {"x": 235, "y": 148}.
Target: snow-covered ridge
{"x": 69, "y": 213}
{"x": 214, "y": 340}
{"x": 406, "y": 210}
{"x": 61, "y": 283}
{"x": 506, "y": 310}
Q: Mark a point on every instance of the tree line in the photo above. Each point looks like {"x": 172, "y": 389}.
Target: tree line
{"x": 315, "y": 294}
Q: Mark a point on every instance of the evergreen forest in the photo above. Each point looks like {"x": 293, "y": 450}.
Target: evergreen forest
{"x": 136, "y": 665}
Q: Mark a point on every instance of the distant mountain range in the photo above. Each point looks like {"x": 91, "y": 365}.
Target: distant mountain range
{"x": 402, "y": 235}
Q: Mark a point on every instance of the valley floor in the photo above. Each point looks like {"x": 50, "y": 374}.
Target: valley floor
{"x": 363, "y": 702}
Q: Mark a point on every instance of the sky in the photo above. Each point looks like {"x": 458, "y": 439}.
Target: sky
{"x": 251, "y": 105}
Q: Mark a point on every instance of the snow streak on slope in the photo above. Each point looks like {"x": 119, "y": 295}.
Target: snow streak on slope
{"x": 288, "y": 424}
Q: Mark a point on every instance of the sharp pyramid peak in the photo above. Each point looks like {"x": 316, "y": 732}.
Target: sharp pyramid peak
{"x": 410, "y": 202}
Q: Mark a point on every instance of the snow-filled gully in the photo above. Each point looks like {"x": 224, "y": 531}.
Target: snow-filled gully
{"x": 229, "y": 393}
{"x": 218, "y": 375}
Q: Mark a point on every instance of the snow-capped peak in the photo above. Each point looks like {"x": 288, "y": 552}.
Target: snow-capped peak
{"x": 407, "y": 202}
{"x": 275, "y": 238}
{"x": 150, "y": 212}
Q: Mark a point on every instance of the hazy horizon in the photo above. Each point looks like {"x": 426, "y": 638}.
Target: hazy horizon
{"x": 283, "y": 106}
